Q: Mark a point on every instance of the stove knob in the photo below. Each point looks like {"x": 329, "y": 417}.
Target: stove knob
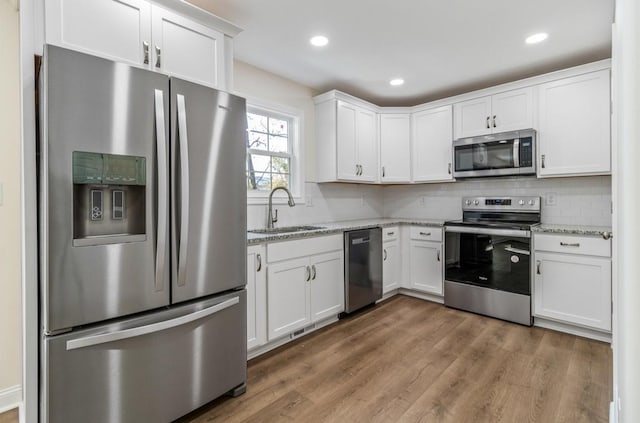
{"x": 531, "y": 202}
{"x": 476, "y": 202}
{"x": 468, "y": 202}
{"x": 521, "y": 202}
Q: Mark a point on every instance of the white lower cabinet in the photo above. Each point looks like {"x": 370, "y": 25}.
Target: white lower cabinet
{"x": 425, "y": 260}
{"x": 288, "y": 297}
{"x": 305, "y": 284}
{"x": 327, "y": 285}
{"x": 390, "y": 266}
{"x": 573, "y": 288}
{"x": 256, "y": 297}
{"x": 391, "y": 260}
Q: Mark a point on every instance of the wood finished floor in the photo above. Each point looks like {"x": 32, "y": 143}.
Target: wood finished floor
{"x": 408, "y": 360}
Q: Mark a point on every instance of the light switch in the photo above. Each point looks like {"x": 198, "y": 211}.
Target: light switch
{"x": 550, "y": 199}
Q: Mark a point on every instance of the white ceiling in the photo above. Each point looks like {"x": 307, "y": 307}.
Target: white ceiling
{"x": 440, "y": 47}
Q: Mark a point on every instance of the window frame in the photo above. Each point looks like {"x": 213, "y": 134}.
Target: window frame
{"x": 295, "y": 155}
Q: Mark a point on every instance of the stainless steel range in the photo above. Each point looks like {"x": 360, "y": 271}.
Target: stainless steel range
{"x": 488, "y": 253}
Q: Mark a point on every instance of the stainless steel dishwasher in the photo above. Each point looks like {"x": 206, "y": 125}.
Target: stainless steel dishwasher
{"x": 362, "y": 268}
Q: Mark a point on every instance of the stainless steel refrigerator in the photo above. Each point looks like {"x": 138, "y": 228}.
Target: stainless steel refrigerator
{"x": 142, "y": 230}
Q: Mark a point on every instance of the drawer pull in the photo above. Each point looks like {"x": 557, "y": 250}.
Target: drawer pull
{"x": 538, "y": 267}
{"x": 438, "y": 255}
{"x": 569, "y": 244}
{"x": 606, "y": 235}
{"x": 259, "y": 258}
{"x": 385, "y": 254}
{"x": 425, "y": 233}
{"x": 390, "y": 233}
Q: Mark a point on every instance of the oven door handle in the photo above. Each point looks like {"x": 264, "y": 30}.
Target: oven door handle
{"x": 488, "y": 231}
{"x": 517, "y": 251}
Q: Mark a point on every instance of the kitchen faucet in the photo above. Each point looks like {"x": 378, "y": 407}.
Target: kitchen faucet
{"x": 271, "y": 219}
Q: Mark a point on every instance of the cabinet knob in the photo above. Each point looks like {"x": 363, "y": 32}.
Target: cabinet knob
{"x": 383, "y": 174}
{"x": 449, "y": 169}
{"x": 384, "y": 254}
{"x": 494, "y": 121}
{"x": 543, "y": 157}
{"x": 438, "y": 255}
{"x": 488, "y": 126}
{"x": 538, "y": 267}
{"x": 307, "y": 273}
{"x": 313, "y": 272}
{"x": 259, "y": 258}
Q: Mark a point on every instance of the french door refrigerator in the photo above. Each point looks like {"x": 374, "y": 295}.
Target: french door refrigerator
{"x": 142, "y": 228}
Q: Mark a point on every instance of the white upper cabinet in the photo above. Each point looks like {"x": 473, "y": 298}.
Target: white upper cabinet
{"x": 574, "y": 136}
{"x": 395, "y": 154}
{"x": 187, "y": 49}
{"x": 431, "y": 145}
{"x": 503, "y": 112}
{"x": 346, "y": 141}
{"x": 116, "y": 29}
{"x": 142, "y": 34}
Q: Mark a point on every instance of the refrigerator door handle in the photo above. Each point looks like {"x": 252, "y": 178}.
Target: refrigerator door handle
{"x": 106, "y": 338}
{"x": 183, "y": 146}
{"x": 161, "y": 151}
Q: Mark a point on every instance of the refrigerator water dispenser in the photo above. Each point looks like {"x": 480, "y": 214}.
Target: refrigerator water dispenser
{"x": 109, "y": 204}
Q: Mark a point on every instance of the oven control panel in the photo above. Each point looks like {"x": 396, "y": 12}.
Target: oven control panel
{"x": 519, "y": 203}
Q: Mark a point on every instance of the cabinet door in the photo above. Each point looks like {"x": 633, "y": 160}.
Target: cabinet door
{"x": 574, "y": 129}
{"x": 426, "y": 266}
{"x": 512, "y": 110}
{"x": 367, "y": 140}
{"x": 187, "y": 49}
{"x": 256, "y": 297}
{"x": 288, "y": 305}
{"x": 574, "y": 289}
{"x": 115, "y": 29}
{"x": 327, "y": 285}
{"x": 390, "y": 266}
{"x": 346, "y": 140}
{"x": 472, "y": 117}
{"x": 431, "y": 145}
{"x": 395, "y": 155}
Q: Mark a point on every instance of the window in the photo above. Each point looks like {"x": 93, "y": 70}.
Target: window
{"x": 271, "y": 144}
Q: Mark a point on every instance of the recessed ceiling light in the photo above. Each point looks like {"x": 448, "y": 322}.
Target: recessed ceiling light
{"x": 536, "y": 38}
{"x": 319, "y": 41}
{"x": 397, "y": 81}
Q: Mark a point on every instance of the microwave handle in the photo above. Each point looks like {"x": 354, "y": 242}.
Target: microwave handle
{"x": 516, "y": 152}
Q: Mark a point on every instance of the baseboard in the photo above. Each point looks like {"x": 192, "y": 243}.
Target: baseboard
{"x": 573, "y": 330}
{"x": 10, "y": 398}
{"x": 422, "y": 295}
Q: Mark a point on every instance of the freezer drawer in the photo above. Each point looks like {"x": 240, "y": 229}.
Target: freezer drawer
{"x": 154, "y": 368}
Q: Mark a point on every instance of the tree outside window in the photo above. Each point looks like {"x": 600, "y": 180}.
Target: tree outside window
{"x": 269, "y": 150}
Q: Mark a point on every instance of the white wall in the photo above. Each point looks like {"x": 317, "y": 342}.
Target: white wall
{"x": 580, "y": 201}
{"x": 328, "y": 202}
{"x": 626, "y": 229}
{"x": 10, "y": 299}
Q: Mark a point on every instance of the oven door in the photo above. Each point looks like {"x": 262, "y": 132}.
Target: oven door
{"x": 498, "y": 259}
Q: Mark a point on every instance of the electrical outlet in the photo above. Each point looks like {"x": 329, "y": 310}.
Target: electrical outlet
{"x": 550, "y": 199}
{"x": 309, "y": 201}
{"x": 423, "y": 201}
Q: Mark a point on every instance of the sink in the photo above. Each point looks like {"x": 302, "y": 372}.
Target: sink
{"x": 285, "y": 229}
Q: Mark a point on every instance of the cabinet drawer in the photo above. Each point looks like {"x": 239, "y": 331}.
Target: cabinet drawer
{"x": 390, "y": 233}
{"x": 277, "y": 251}
{"x": 572, "y": 244}
{"x": 426, "y": 233}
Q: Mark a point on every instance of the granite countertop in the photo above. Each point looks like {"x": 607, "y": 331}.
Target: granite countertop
{"x": 337, "y": 227}
{"x": 604, "y": 231}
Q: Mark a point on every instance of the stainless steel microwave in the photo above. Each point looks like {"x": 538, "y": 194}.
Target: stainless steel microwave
{"x": 508, "y": 153}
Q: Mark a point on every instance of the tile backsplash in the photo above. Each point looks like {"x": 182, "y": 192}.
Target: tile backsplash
{"x": 578, "y": 201}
